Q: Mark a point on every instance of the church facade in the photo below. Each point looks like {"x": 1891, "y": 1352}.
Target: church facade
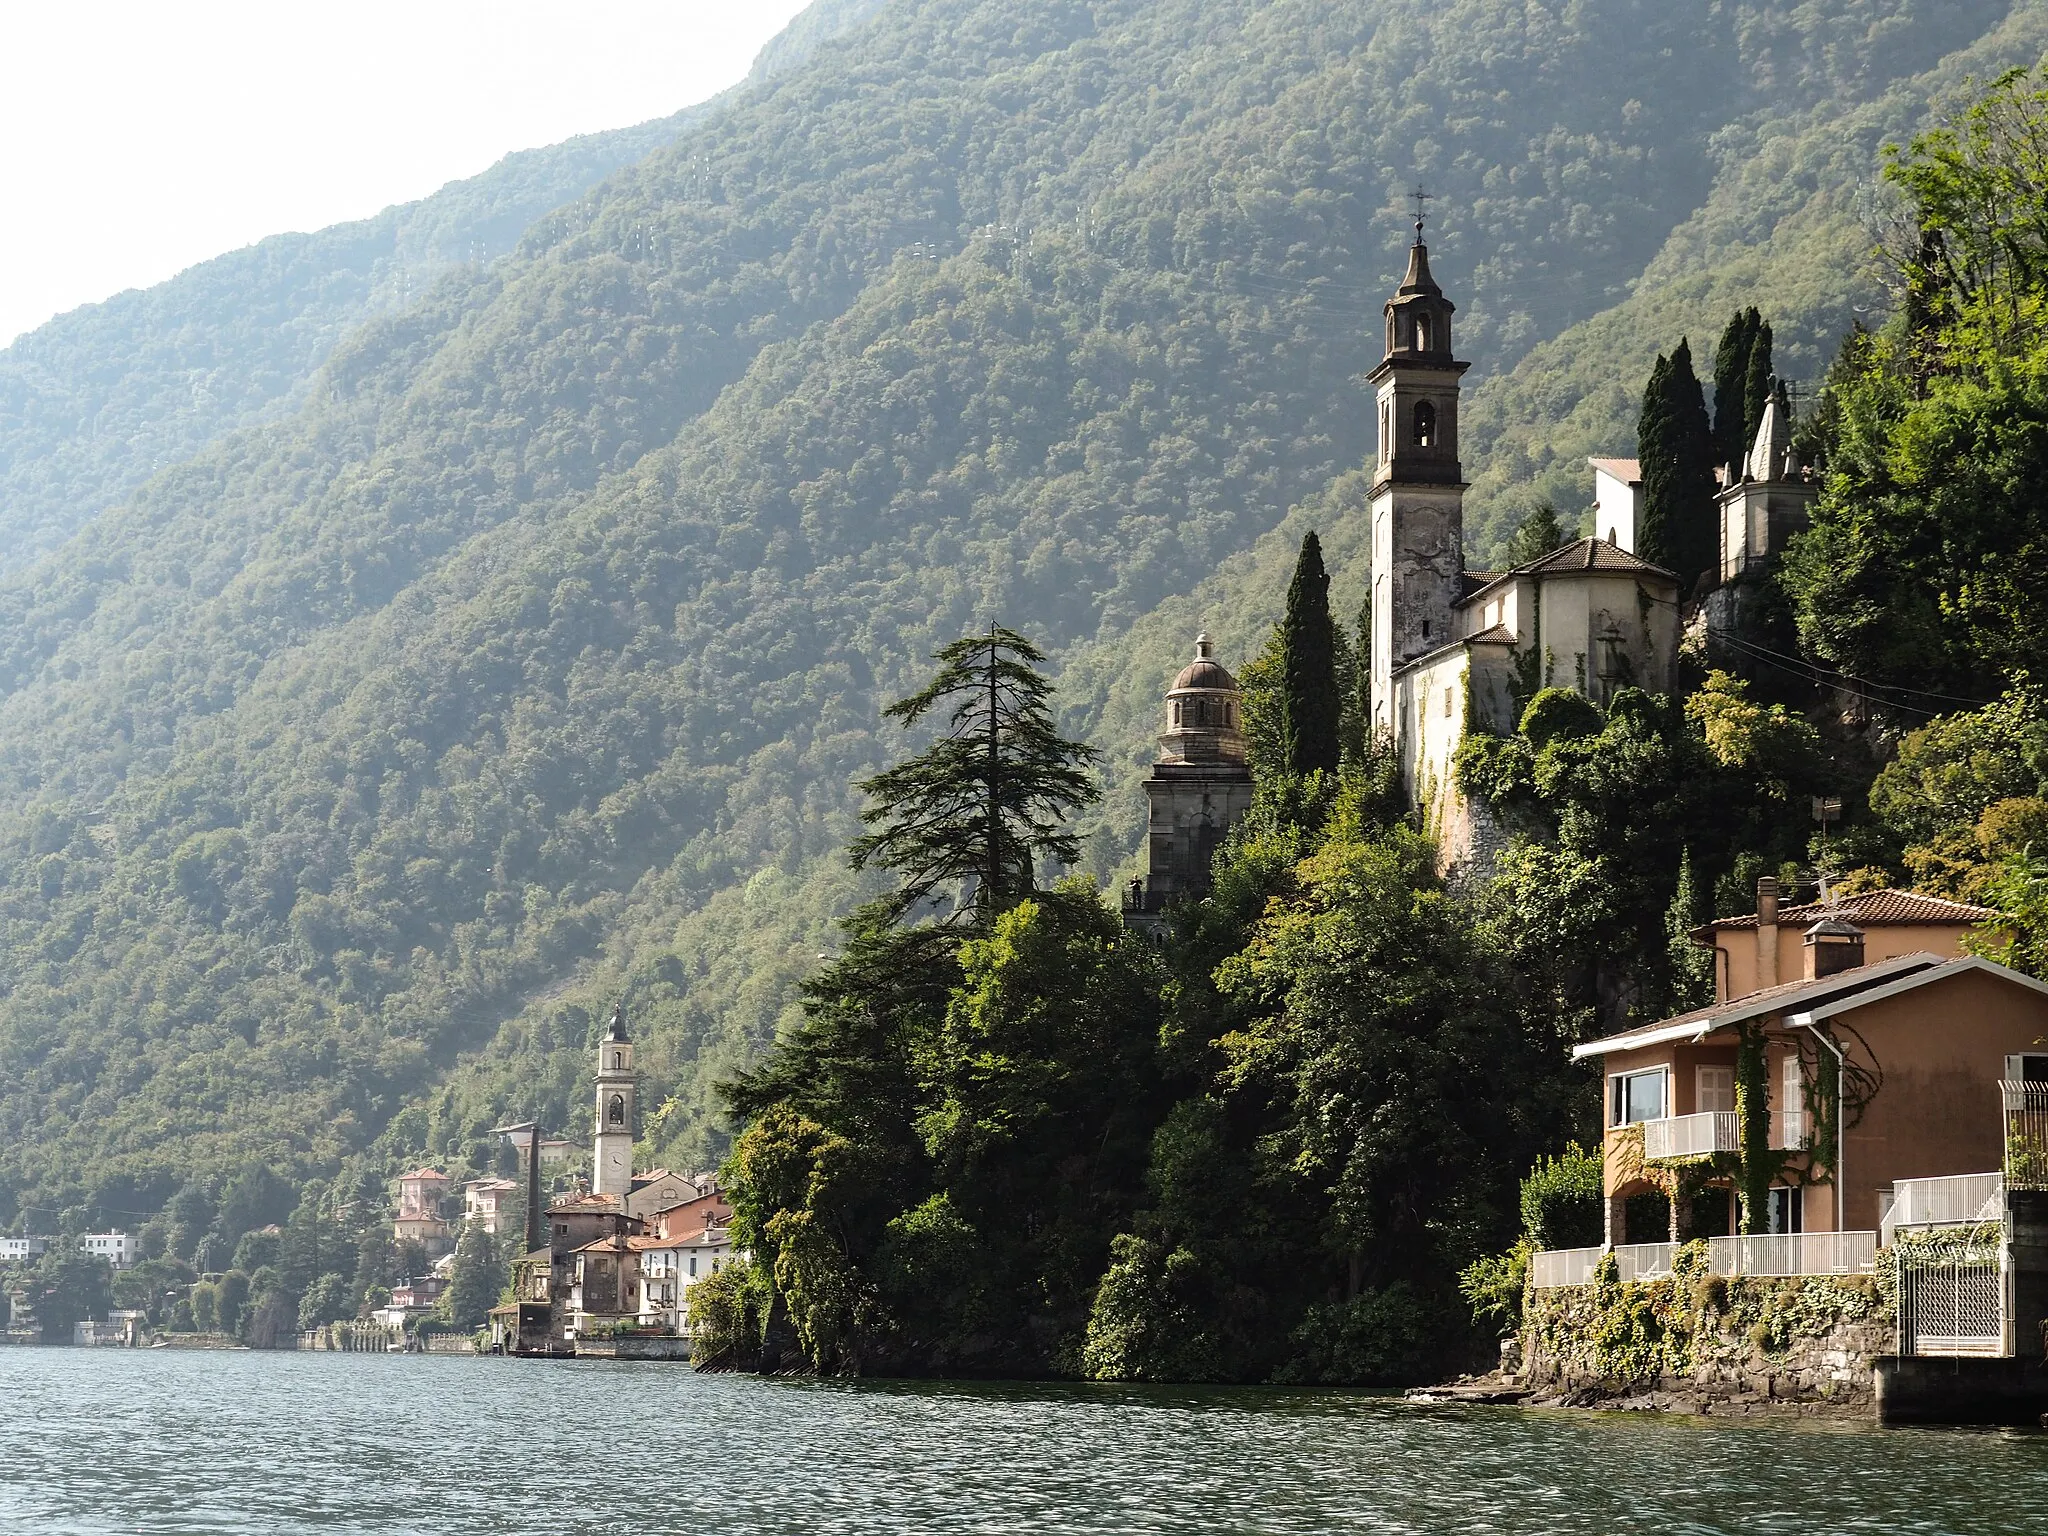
{"x": 1456, "y": 650}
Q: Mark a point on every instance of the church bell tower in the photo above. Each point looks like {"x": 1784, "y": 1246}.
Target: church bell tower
{"x": 611, "y": 1166}
{"x": 1418, "y": 488}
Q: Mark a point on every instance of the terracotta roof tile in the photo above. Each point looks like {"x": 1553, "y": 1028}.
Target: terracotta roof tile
{"x": 1872, "y": 909}
{"x": 1630, "y": 470}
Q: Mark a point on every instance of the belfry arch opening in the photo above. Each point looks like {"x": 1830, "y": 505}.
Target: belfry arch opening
{"x": 1424, "y": 424}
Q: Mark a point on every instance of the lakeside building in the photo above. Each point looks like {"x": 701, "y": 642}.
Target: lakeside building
{"x": 1873, "y": 1083}
{"x": 688, "y": 1243}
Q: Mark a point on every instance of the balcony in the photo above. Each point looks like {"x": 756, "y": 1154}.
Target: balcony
{"x": 1788, "y": 1253}
{"x": 1716, "y": 1130}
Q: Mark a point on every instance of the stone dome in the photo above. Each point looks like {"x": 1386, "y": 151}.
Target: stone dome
{"x": 1204, "y": 672}
{"x": 1204, "y": 713}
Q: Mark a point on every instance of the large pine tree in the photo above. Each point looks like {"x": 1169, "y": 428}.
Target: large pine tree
{"x": 1311, "y": 705}
{"x": 1675, "y": 444}
{"x": 975, "y": 811}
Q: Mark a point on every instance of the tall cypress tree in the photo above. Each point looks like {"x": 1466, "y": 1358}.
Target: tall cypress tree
{"x": 1310, "y": 703}
{"x": 1653, "y": 452}
{"x": 1731, "y": 385}
{"x": 1675, "y": 444}
{"x": 1756, "y": 383}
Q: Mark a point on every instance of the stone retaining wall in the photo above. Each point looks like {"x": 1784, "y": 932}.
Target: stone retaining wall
{"x": 1692, "y": 1342}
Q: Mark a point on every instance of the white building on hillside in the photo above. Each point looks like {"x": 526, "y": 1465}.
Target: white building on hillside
{"x": 120, "y": 1249}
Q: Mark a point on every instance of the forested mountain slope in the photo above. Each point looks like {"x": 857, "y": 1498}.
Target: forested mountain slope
{"x": 350, "y": 767}
{"x": 100, "y": 398}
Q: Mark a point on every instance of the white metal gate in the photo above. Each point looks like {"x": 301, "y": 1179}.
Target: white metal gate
{"x": 1951, "y": 1308}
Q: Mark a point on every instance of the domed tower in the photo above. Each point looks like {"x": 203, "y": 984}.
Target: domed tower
{"x": 1418, "y": 490}
{"x": 1199, "y": 787}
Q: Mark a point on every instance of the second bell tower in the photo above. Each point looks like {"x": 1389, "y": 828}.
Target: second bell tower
{"x": 611, "y": 1165}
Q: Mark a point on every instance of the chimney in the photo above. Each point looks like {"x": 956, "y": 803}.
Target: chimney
{"x": 1832, "y": 946}
{"x": 1766, "y": 931}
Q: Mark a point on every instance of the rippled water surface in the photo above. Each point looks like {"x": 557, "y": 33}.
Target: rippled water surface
{"x": 162, "y": 1441}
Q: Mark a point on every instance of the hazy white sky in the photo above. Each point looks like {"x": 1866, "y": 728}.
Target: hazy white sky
{"x": 139, "y": 138}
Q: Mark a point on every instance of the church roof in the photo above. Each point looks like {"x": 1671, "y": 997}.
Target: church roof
{"x": 1629, "y": 470}
{"x": 1417, "y": 279}
{"x": 1499, "y": 634}
{"x": 1575, "y": 559}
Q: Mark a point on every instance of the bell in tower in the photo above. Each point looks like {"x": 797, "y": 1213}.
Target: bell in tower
{"x": 1418, "y": 490}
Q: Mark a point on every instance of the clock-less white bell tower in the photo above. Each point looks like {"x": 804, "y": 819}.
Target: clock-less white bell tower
{"x": 611, "y": 1168}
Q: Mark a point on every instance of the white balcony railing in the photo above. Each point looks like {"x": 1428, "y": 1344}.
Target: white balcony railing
{"x": 1692, "y": 1135}
{"x": 1790, "y": 1253}
{"x": 1794, "y": 1253}
{"x": 1717, "y": 1130}
{"x": 1962, "y": 1199}
{"x": 1563, "y": 1266}
{"x": 1644, "y": 1261}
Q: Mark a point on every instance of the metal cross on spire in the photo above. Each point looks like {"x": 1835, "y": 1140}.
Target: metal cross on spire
{"x": 1421, "y": 196}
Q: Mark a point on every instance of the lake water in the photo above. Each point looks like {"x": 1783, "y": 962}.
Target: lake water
{"x": 163, "y": 1441}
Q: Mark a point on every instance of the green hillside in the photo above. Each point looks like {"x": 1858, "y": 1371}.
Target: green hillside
{"x": 352, "y": 765}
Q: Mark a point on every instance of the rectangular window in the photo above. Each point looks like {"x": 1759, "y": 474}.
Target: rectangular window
{"x": 1714, "y": 1091}
{"x": 693, "y": 1265}
{"x": 1634, "y": 1096}
{"x": 1447, "y": 703}
{"x": 1791, "y": 1085}
{"x": 1787, "y": 1209}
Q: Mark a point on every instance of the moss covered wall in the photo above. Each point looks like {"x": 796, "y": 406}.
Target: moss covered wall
{"x": 1694, "y": 1340}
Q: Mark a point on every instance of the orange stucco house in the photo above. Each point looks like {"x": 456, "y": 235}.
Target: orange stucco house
{"x": 1873, "y": 991}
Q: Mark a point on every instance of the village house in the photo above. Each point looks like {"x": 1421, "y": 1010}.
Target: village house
{"x": 421, "y": 1195}
{"x": 688, "y": 1243}
{"x": 23, "y": 1250}
{"x": 493, "y": 1204}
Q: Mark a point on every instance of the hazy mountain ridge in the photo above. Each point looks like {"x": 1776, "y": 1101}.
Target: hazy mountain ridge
{"x": 95, "y": 401}
{"x": 532, "y": 660}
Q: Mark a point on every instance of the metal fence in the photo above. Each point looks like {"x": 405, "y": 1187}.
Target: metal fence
{"x": 2026, "y": 1134}
{"x": 1644, "y": 1261}
{"x": 1963, "y": 1199}
{"x": 1563, "y": 1266}
{"x": 1794, "y": 1253}
{"x": 1951, "y": 1307}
